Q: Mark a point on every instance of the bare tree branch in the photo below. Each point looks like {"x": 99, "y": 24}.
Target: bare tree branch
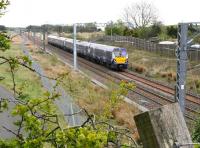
{"x": 20, "y": 137}
{"x": 141, "y": 14}
{"x": 20, "y": 126}
{"x": 74, "y": 113}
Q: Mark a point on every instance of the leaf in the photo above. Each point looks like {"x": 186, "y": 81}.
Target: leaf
{"x": 27, "y": 60}
{"x": 4, "y": 41}
{"x": 2, "y": 78}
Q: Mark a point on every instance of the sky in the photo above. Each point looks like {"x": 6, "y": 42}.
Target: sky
{"x": 22, "y": 13}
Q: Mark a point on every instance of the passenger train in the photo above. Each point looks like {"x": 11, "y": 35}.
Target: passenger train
{"x": 111, "y": 56}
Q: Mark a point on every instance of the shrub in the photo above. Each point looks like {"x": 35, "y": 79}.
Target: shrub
{"x": 140, "y": 69}
{"x": 197, "y": 83}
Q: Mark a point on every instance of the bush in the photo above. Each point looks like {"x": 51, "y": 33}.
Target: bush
{"x": 172, "y": 31}
{"x": 140, "y": 69}
{"x": 196, "y": 132}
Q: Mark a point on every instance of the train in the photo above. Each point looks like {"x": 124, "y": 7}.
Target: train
{"x": 115, "y": 58}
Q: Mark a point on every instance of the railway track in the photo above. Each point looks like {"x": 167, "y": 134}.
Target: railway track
{"x": 153, "y": 98}
{"x": 159, "y": 86}
{"x": 157, "y": 99}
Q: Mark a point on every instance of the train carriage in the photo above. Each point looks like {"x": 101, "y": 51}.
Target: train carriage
{"x": 111, "y": 56}
{"x": 82, "y": 48}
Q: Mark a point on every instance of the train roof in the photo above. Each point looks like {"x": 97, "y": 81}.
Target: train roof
{"x": 84, "y": 43}
{"x": 103, "y": 47}
{"x": 53, "y": 36}
{"x": 60, "y": 38}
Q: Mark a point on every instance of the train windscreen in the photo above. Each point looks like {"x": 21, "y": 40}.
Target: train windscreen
{"x": 120, "y": 52}
{"x": 123, "y": 52}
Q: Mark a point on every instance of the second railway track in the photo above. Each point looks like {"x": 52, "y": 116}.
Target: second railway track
{"x": 153, "y": 98}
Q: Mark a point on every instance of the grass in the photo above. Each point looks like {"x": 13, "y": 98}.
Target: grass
{"x": 197, "y": 146}
{"x": 85, "y": 94}
{"x": 30, "y": 81}
{"x": 150, "y": 64}
{"x": 158, "y": 67}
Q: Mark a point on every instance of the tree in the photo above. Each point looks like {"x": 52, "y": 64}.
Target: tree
{"x": 115, "y": 28}
{"x": 155, "y": 29}
{"x": 3, "y": 5}
{"x": 140, "y": 14}
{"x": 2, "y": 28}
{"x": 172, "y": 31}
{"x": 128, "y": 32}
{"x": 4, "y": 39}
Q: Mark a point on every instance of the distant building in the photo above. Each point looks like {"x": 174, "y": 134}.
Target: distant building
{"x": 167, "y": 43}
{"x": 195, "y": 46}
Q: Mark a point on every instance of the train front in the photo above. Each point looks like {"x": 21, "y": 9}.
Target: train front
{"x": 120, "y": 59}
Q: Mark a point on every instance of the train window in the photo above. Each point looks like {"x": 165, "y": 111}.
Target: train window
{"x": 120, "y": 52}
{"x": 117, "y": 52}
{"x": 123, "y": 52}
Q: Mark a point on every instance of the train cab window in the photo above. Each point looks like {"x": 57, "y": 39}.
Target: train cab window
{"x": 123, "y": 52}
{"x": 120, "y": 52}
{"x": 117, "y": 52}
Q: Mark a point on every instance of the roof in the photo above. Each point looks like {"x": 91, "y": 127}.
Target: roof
{"x": 103, "y": 47}
{"x": 167, "y": 43}
{"x": 84, "y": 43}
{"x": 195, "y": 46}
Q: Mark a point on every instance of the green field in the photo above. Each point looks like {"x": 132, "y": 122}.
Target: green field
{"x": 24, "y": 78}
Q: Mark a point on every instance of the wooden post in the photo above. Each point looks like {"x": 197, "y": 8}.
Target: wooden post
{"x": 163, "y": 127}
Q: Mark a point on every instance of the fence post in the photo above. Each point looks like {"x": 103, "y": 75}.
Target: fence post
{"x": 163, "y": 127}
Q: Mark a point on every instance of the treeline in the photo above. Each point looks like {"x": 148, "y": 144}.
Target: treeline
{"x": 3, "y": 28}
{"x": 157, "y": 30}
{"x": 87, "y": 27}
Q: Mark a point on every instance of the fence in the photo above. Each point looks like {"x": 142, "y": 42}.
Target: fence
{"x": 163, "y": 50}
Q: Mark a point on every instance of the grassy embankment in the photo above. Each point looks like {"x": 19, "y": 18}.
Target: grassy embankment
{"x": 86, "y": 94}
{"x": 153, "y": 65}
{"x": 30, "y": 81}
{"x": 159, "y": 67}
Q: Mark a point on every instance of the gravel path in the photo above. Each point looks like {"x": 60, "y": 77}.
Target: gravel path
{"x": 64, "y": 103}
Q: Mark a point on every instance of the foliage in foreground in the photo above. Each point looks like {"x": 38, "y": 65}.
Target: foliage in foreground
{"x": 39, "y": 124}
{"x": 196, "y": 132}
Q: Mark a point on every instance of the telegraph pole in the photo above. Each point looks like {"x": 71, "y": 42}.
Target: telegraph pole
{"x": 74, "y": 51}
{"x": 181, "y": 54}
{"x": 44, "y": 48}
{"x": 34, "y": 37}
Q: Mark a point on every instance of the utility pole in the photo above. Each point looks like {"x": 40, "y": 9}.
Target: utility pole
{"x": 111, "y": 32}
{"x": 20, "y": 32}
{"x": 34, "y": 37}
{"x": 74, "y": 51}
{"x": 181, "y": 54}
{"x": 28, "y": 33}
{"x": 44, "y": 48}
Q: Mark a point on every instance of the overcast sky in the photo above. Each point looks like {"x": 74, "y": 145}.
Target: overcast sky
{"x": 37, "y": 12}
